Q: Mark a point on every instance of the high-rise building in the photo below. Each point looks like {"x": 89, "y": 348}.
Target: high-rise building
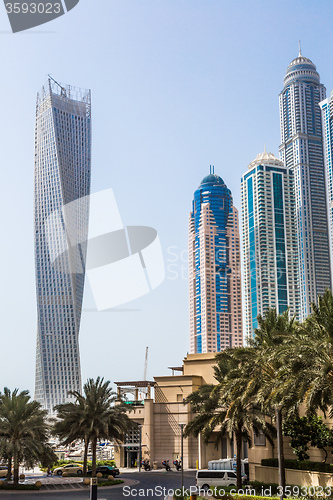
{"x": 270, "y": 273}
{"x": 214, "y": 269}
{"x": 327, "y": 116}
{"x": 62, "y": 176}
{"x": 302, "y": 151}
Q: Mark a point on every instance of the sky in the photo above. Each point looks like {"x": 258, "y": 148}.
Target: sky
{"x": 177, "y": 85}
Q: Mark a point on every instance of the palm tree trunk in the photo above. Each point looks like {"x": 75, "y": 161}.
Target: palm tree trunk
{"x": 282, "y": 472}
{"x": 85, "y": 457}
{"x": 9, "y": 473}
{"x": 239, "y": 438}
{"x": 94, "y": 448}
{"x": 16, "y": 469}
{"x": 324, "y": 450}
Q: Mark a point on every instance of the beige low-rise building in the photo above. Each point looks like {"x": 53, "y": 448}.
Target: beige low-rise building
{"x": 160, "y": 417}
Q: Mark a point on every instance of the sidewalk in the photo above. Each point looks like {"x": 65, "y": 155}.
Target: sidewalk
{"x": 66, "y": 485}
{"x": 123, "y": 470}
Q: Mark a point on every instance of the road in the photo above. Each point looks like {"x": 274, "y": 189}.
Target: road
{"x": 152, "y": 485}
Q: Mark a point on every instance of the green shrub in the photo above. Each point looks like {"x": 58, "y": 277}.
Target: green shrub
{"x": 111, "y": 463}
{"x": 59, "y": 463}
{"x": 11, "y": 486}
{"x": 259, "y": 487}
{"x": 229, "y": 497}
{"x": 296, "y": 464}
{"x": 225, "y": 495}
{"x": 110, "y": 483}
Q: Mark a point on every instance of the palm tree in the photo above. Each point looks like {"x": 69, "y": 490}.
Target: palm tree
{"x": 72, "y": 425}
{"x": 271, "y": 380}
{"x": 97, "y": 416}
{"x": 223, "y": 409}
{"x": 23, "y": 430}
{"x": 313, "y": 358}
{"x": 252, "y": 382}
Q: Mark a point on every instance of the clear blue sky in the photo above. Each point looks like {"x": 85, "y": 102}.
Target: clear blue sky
{"x": 176, "y": 85}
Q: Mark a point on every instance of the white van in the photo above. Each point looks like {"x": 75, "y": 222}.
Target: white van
{"x": 206, "y": 478}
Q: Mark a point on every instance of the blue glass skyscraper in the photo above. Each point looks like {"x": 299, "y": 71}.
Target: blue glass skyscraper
{"x": 62, "y": 176}
{"x": 214, "y": 269}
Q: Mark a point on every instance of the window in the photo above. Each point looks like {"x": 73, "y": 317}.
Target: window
{"x": 211, "y": 474}
{"x": 259, "y": 439}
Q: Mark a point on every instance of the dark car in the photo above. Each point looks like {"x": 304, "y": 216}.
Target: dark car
{"x": 106, "y": 470}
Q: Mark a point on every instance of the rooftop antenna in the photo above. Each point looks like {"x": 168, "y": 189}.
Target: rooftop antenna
{"x": 265, "y": 148}
{"x": 63, "y": 90}
{"x": 299, "y": 48}
{"x": 213, "y": 170}
{"x": 210, "y": 169}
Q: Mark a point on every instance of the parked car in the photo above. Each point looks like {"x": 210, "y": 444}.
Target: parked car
{"x": 106, "y": 469}
{"x": 3, "y": 471}
{"x": 69, "y": 469}
{"x": 207, "y": 478}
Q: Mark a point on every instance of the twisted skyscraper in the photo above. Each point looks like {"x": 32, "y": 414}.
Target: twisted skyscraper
{"x": 302, "y": 152}
{"x": 62, "y": 176}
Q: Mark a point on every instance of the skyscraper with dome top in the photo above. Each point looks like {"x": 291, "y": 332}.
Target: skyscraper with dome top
{"x": 270, "y": 272}
{"x": 214, "y": 269}
{"x": 301, "y": 151}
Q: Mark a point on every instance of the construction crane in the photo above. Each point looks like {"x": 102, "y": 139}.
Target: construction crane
{"x": 144, "y": 390}
{"x": 63, "y": 90}
{"x": 146, "y": 366}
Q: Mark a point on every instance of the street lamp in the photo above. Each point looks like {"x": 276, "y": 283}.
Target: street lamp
{"x": 140, "y": 446}
{"x": 282, "y": 480}
{"x": 182, "y": 454}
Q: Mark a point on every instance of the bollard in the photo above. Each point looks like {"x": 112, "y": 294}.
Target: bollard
{"x": 93, "y": 488}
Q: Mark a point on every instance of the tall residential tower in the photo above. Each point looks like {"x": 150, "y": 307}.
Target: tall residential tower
{"x": 214, "y": 269}
{"x": 62, "y": 176}
{"x": 270, "y": 272}
{"x": 302, "y": 152}
{"x": 327, "y": 115}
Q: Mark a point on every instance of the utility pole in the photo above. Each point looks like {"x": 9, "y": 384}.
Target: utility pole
{"x": 280, "y": 451}
{"x": 182, "y": 454}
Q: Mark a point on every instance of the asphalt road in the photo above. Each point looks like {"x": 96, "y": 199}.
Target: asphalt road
{"x": 153, "y": 485}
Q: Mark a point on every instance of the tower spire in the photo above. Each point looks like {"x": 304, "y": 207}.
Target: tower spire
{"x": 299, "y": 48}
